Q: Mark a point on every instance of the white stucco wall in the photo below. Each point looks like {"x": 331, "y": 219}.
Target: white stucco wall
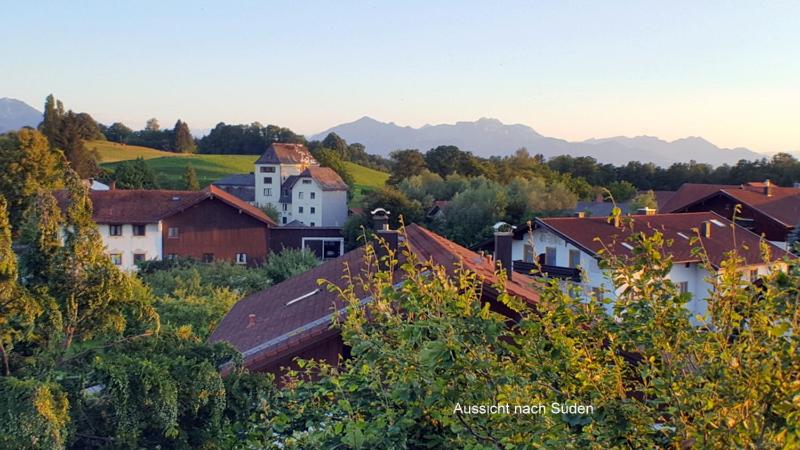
{"x": 306, "y": 202}
{"x": 274, "y": 186}
{"x": 334, "y": 208}
{"x": 127, "y": 245}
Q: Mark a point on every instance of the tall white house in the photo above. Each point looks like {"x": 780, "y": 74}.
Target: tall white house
{"x": 290, "y": 179}
{"x": 578, "y": 243}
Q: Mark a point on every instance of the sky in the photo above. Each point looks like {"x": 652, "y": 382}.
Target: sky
{"x": 728, "y": 71}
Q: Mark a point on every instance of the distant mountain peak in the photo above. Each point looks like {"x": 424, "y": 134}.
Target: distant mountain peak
{"x": 489, "y": 136}
{"x": 15, "y": 114}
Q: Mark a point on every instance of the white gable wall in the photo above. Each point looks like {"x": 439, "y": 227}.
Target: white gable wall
{"x": 127, "y": 245}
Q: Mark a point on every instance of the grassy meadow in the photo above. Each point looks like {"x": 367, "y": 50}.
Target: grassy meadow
{"x": 169, "y": 167}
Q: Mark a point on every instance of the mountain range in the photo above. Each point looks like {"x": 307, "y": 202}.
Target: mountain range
{"x": 15, "y": 114}
{"x": 490, "y": 137}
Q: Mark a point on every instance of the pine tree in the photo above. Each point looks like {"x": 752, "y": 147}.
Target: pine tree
{"x": 190, "y": 179}
{"x": 183, "y": 142}
{"x": 53, "y": 113}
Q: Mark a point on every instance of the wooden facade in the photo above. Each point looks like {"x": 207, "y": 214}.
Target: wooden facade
{"x": 213, "y": 230}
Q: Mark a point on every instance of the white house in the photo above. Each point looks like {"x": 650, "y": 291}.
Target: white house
{"x": 564, "y": 243}
{"x": 290, "y": 179}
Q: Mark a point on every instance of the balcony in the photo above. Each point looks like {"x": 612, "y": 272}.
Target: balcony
{"x": 532, "y": 269}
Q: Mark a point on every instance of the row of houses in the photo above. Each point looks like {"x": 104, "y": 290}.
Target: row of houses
{"x": 292, "y": 319}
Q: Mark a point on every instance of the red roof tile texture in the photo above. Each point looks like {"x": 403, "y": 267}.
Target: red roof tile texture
{"x": 326, "y": 178}
{"x": 596, "y": 233}
{"x": 281, "y": 312}
{"x": 287, "y": 154}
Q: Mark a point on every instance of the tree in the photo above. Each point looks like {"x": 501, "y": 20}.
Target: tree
{"x": 643, "y": 200}
{"x": 426, "y": 349}
{"x": 152, "y": 125}
{"x": 18, "y": 310}
{"x": 136, "y": 174}
{"x": 471, "y": 213}
{"x": 329, "y": 158}
{"x": 444, "y": 159}
{"x": 287, "y": 263}
{"x": 405, "y": 163}
{"x": 272, "y": 211}
{"x": 118, "y": 132}
{"x": 27, "y": 165}
{"x": 53, "y": 112}
{"x": 398, "y": 205}
{"x": 183, "y": 142}
{"x": 622, "y": 191}
{"x": 337, "y": 144}
{"x": 190, "y": 179}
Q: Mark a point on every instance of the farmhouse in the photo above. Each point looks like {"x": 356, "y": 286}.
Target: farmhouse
{"x": 293, "y": 319}
{"x": 766, "y": 209}
{"x": 571, "y": 248}
{"x": 211, "y": 224}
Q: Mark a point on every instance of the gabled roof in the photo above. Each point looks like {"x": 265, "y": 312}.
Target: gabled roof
{"x": 662, "y": 197}
{"x": 595, "y": 233}
{"x": 139, "y": 206}
{"x": 326, "y": 178}
{"x": 783, "y": 203}
{"x": 271, "y": 322}
{"x": 287, "y": 154}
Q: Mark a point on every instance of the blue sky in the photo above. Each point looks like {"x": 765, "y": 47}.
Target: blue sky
{"x": 728, "y": 71}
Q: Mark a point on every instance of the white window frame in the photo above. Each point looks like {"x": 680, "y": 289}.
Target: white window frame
{"x": 310, "y": 239}
{"x": 113, "y": 255}
{"x": 241, "y": 258}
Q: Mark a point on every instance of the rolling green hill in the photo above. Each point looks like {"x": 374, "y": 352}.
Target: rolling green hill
{"x": 169, "y": 167}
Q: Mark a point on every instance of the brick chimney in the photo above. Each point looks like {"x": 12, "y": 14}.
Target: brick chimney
{"x": 503, "y": 239}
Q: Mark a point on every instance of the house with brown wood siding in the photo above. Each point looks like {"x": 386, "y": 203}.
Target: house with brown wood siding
{"x": 211, "y": 224}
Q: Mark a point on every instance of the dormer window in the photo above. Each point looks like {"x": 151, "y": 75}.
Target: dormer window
{"x": 306, "y": 181}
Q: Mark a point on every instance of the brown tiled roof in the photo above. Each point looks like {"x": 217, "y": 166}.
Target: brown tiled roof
{"x": 139, "y": 206}
{"x": 287, "y": 154}
{"x": 263, "y": 325}
{"x": 689, "y": 193}
{"x": 326, "y": 178}
{"x": 662, "y": 197}
{"x": 595, "y": 233}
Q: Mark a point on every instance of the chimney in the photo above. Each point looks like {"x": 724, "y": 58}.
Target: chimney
{"x": 707, "y": 229}
{"x": 386, "y": 240}
{"x": 251, "y": 320}
{"x": 768, "y": 188}
{"x": 502, "y": 251}
{"x": 646, "y": 211}
{"x": 113, "y": 185}
{"x": 580, "y": 214}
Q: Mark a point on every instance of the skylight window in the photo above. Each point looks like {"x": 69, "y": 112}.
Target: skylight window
{"x": 683, "y": 235}
{"x": 304, "y": 296}
{"x": 628, "y": 246}
{"x": 717, "y": 223}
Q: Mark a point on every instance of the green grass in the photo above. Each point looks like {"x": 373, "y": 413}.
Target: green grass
{"x": 169, "y": 167}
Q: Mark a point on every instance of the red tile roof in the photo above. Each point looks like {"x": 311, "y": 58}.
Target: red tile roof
{"x": 287, "y": 154}
{"x": 139, "y": 206}
{"x": 782, "y": 205}
{"x": 595, "y": 233}
{"x": 274, "y": 323}
{"x": 326, "y": 178}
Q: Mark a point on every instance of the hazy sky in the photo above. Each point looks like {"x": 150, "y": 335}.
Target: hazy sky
{"x": 728, "y": 71}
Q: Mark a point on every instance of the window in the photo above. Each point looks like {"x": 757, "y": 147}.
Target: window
{"x": 300, "y": 209}
{"x": 267, "y": 180}
{"x": 267, "y": 169}
{"x": 139, "y": 230}
{"x": 528, "y": 253}
{"x": 285, "y": 206}
{"x": 313, "y": 210}
{"x": 138, "y": 258}
{"x": 241, "y": 258}
{"x": 311, "y": 224}
{"x": 172, "y": 232}
{"x": 683, "y": 286}
{"x": 313, "y": 195}
{"x": 574, "y": 258}
{"x": 306, "y": 181}
{"x": 116, "y": 258}
{"x": 208, "y": 257}
{"x": 115, "y": 230}
{"x": 753, "y": 275}
{"x": 283, "y": 220}
{"x": 267, "y": 192}
{"x": 550, "y": 256}
{"x": 299, "y": 195}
